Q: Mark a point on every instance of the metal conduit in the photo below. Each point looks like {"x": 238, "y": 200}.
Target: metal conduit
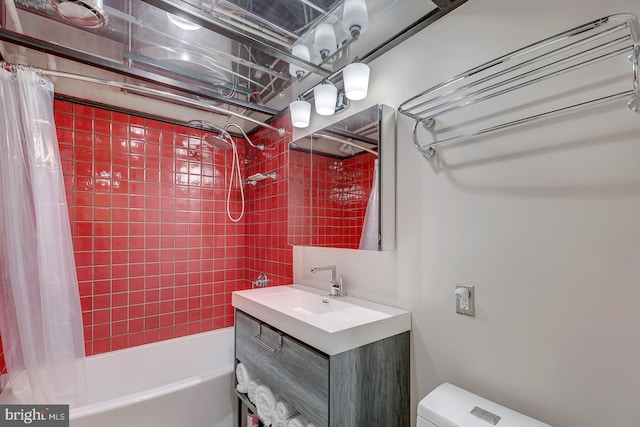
{"x": 149, "y": 91}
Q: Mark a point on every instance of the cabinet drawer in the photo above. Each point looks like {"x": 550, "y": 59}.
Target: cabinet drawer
{"x": 297, "y": 372}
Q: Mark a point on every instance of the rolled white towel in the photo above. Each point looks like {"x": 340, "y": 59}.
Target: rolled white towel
{"x": 285, "y": 409}
{"x": 266, "y": 420}
{"x": 276, "y": 421}
{"x": 265, "y": 402}
{"x": 253, "y": 385}
{"x": 244, "y": 377}
{"x": 298, "y": 421}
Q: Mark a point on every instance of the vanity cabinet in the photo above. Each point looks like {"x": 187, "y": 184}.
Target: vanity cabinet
{"x": 364, "y": 386}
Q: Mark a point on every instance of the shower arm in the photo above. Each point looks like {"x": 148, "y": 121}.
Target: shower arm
{"x": 258, "y": 146}
{"x": 224, "y": 132}
{"x": 208, "y": 126}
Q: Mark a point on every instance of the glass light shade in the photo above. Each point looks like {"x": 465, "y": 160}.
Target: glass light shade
{"x": 300, "y": 111}
{"x": 325, "y": 96}
{"x": 356, "y": 80}
{"x": 355, "y": 19}
{"x": 325, "y": 40}
{"x": 302, "y": 52}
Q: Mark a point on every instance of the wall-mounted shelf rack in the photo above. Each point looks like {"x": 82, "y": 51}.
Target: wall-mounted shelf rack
{"x": 561, "y": 54}
{"x": 257, "y": 177}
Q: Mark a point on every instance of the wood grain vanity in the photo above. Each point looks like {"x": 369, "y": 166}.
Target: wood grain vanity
{"x": 364, "y": 386}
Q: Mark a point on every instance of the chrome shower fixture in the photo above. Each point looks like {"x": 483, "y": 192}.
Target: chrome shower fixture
{"x": 347, "y": 149}
{"x": 218, "y": 142}
{"x": 258, "y": 146}
{"x": 207, "y": 126}
{"x": 222, "y": 141}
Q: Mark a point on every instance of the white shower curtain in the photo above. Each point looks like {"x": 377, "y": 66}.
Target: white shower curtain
{"x": 40, "y": 315}
{"x": 369, "y": 238}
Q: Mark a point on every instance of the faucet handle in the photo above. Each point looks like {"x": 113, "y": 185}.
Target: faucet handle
{"x": 262, "y": 281}
{"x": 336, "y": 287}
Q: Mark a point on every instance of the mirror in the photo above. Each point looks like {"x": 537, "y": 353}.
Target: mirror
{"x": 342, "y": 184}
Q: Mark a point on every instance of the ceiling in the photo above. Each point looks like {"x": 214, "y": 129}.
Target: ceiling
{"x": 237, "y": 53}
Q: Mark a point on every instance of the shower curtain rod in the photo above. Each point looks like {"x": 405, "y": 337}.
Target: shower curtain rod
{"x": 127, "y": 86}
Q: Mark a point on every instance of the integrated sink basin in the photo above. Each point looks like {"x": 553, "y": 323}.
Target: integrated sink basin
{"x": 330, "y": 324}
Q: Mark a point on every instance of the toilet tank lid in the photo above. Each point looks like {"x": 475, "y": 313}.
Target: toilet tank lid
{"x": 450, "y": 406}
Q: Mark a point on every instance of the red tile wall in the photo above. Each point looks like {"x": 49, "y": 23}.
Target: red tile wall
{"x": 156, "y": 254}
{"x": 267, "y": 248}
{"x": 334, "y": 193}
{"x": 300, "y": 198}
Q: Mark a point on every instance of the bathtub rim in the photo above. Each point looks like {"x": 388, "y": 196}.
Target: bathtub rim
{"x": 153, "y": 392}
{"x": 142, "y": 396}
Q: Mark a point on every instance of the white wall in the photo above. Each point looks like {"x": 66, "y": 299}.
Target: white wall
{"x": 549, "y": 236}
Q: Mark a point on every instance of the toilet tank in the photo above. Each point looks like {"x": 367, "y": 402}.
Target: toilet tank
{"x": 450, "y": 406}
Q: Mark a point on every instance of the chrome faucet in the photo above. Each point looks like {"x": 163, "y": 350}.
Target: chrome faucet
{"x": 336, "y": 286}
{"x": 262, "y": 281}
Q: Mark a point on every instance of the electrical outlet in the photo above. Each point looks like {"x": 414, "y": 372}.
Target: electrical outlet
{"x": 464, "y": 304}
{"x": 465, "y": 300}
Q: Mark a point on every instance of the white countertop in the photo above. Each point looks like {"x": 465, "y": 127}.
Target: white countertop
{"x": 330, "y": 324}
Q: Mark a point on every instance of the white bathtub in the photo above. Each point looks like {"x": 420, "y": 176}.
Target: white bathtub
{"x": 185, "y": 381}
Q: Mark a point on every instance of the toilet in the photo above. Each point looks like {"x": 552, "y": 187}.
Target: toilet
{"x": 450, "y": 406}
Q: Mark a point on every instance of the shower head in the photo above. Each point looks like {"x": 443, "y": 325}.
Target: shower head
{"x": 218, "y": 142}
{"x": 223, "y": 139}
{"x": 208, "y": 126}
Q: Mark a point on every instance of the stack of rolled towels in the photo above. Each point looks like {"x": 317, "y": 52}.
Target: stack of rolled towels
{"x": 272, "y": 410}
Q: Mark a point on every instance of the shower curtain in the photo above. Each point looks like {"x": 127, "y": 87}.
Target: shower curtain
{"x": 369, "y": 239}
{"x": 40, "y": 315}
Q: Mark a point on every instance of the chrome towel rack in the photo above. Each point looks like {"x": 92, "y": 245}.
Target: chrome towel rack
{"x": 563, "y": 53}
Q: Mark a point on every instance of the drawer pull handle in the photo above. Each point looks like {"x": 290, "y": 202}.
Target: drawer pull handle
{"x": 256, "y": 339}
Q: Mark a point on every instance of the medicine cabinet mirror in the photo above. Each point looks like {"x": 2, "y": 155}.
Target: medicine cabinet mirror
{"x": 342, "y": 183}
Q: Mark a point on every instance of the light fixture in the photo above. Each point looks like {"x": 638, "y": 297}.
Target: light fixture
{"x": 325, "y": 40}
{"x": 301, "y": 51}
{"x": 300, "y": 111}
{"x": 355, "y": 19}
{"x": 182, "y": 23}
{"x": 325, "y": 96}
{"x": 328, "y": 98}
{"x": 356, "y": 80}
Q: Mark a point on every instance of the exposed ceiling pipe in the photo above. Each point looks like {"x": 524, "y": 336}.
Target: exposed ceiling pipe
{"x": 204, "y": 19}
{"x": 13, "y": 16}
{"x": 21, "y": 58}
{"x": 3, "y": 50}
{"x": 12, "y": 13}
